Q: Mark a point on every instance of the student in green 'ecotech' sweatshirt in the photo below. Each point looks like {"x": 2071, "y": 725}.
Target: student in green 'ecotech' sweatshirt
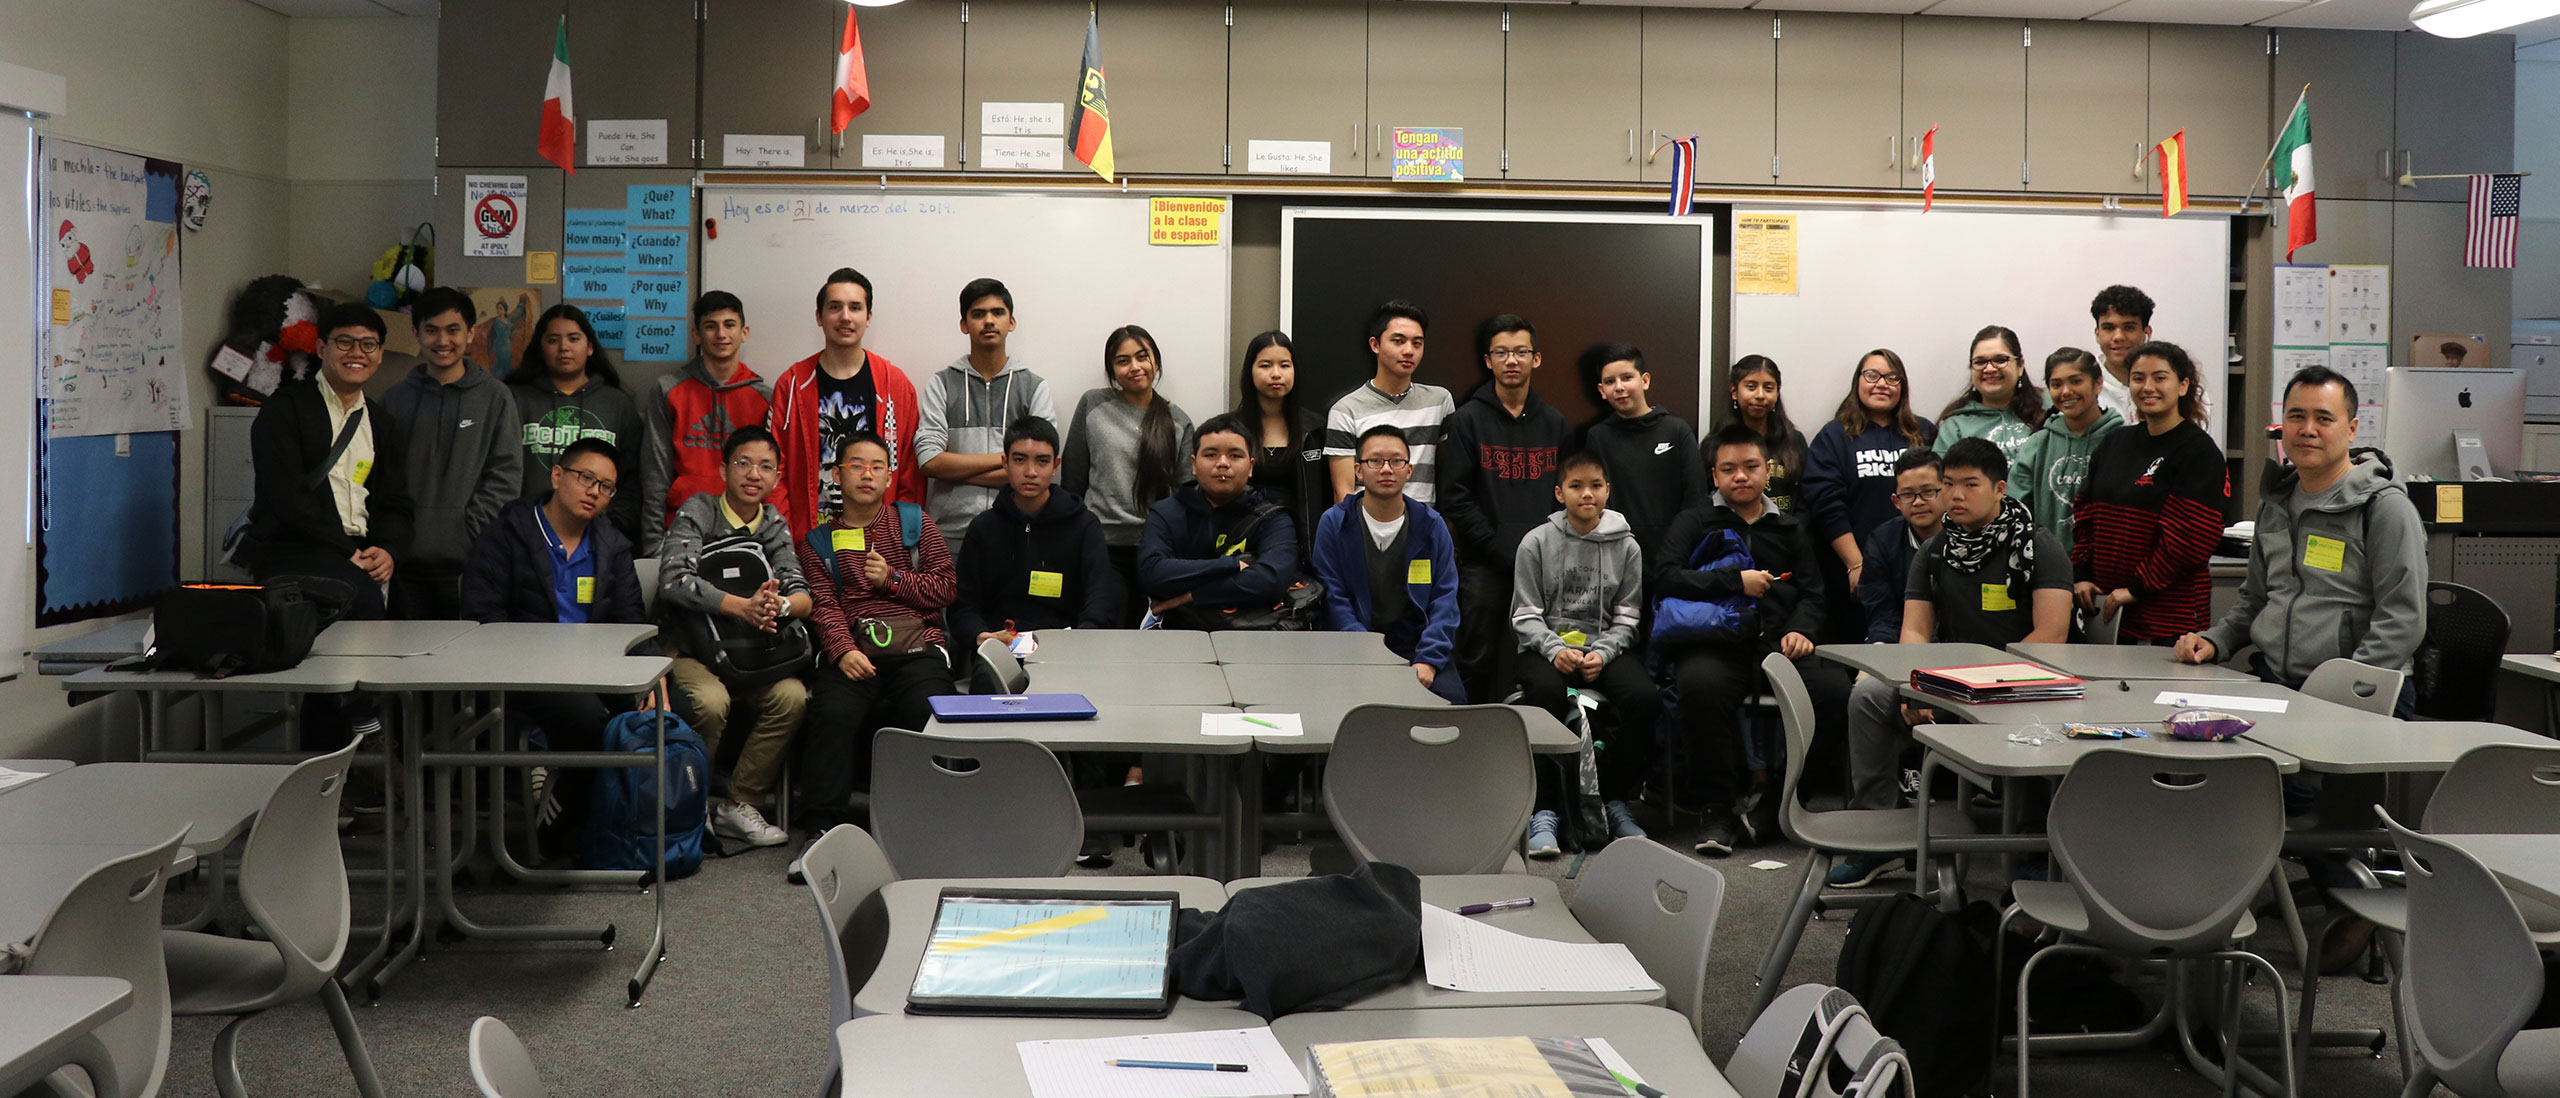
{"x": 2053, "y": 461}
{"x": 2002, "y": 405}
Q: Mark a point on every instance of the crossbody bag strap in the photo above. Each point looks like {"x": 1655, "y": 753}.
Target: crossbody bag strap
{"x": 337, "y": 449}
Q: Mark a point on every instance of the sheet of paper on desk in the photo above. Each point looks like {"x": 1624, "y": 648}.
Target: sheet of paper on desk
{"x": 1251, "y": 724}
{"x": 9, "y": 777}
{"x": 1082, "y": 1069}
{"x": 2185, "y": 700}
{"x": 1461, "y": 954}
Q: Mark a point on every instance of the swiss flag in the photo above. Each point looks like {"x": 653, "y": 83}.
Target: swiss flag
{"x": 853, "y": 84}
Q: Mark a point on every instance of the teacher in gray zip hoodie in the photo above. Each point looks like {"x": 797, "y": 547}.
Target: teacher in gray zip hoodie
{"x": 963, "y": 409}
{"x": 2339, "y": 564}
{"x": 465, "y": 459}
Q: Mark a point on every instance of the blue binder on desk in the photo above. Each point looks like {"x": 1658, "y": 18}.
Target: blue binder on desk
{"x": 967, "y": 708}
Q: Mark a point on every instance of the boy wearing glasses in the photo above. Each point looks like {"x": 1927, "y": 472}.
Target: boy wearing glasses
{"x": 879, "y": 574}
{"x": 735, "y": 518}
{"x": 1919, "y": 480}
{"x": 691, "y": 413}
{"x": 1497, "y": 483}
{"x": 465, "y": 459}
{"x": 1388, "y": 566}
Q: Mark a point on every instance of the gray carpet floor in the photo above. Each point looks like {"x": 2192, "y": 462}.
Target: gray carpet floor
{"x": 740, "y": 1005}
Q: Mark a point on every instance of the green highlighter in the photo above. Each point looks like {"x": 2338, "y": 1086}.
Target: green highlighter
{"x": 1640, "y": 1090}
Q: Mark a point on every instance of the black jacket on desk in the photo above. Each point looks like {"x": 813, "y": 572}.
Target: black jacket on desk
{"x": 1780, "y": 544}
{"x": 508, "y": 576}
{"x": 1005, "y": 547}
{"x": 1498, "y": 473}
{"x": 287, "y": 443}
{"x": 1654, "y": 471}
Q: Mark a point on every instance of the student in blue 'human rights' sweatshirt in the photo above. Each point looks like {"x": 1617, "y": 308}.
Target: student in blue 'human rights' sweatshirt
{"x": 1378, "y": 540}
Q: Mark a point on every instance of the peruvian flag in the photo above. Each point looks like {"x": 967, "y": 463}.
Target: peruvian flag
{"x": 559, "y": 143}
{"x": 2292, "y": 162}
{"x": 1928, "y": 169}
{"x": 853, "y": 82}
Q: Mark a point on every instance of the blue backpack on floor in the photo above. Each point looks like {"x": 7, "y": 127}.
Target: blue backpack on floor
{"x": 622, "y": 824}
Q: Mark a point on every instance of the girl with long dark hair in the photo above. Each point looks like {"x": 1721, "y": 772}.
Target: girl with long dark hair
{"x": 1124, "y": 449}
{"x": 566, "y": 389}
{"x": 1287, "y": 436}
{"x": 2153, "y": 506}
{"x": 1849, "y": 477}
{"x": 2002, "y": 404}
{"x": 1753, "y": 398}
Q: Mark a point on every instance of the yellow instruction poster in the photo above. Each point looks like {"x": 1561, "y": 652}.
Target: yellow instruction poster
{"x": 1764, "y": 253}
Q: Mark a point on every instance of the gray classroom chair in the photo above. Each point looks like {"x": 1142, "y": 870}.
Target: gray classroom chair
{"x": 845, "y": 871}
{"x": 1794, "y": 1044}
{"x": 108, "y": 925}
{"x": 1432, "y": 788}
{"x": 646, "y": 568}
{"x": 1829, "y": 834}
{"x": 2473, "y": 979}
{"x": 293, "y": 879}
{"x": 1620, "y": 900}
{"x": 2355, "y": 685}
{"x": 2163, "y": 858}
{"x": 1010, "y": 813}
{"x": 998, "y": 668}
{"x": 500, "y": 1064}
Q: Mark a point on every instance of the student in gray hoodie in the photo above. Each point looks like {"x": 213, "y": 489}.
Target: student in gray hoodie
{"x": 963, "y": 410}
{"x": 2339, "y": 564}
{"x": 566, "y": 389}
{"x": 1577, "y": 594}
{"x": 2046, "y": 472}
{"x": 464, "y": 456}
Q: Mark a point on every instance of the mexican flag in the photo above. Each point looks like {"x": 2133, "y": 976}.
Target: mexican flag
{"x": 559, "y": 143}
{"x": 2292, "y": 163}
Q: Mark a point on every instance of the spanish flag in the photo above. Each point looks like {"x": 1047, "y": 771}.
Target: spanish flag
{"x": 1089, "y": 126}
{"x": 2173, "y": 174}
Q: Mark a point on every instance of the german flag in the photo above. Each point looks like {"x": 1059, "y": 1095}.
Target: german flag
{"x": 1089, "y": 127}
{"x": 2173, "y": 174}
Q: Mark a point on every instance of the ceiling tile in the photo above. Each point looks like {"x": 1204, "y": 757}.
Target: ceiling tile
{"x": 2224, "y": 12}
{"x": 1875, "y": 7}
{"x": 2390, "y": 15}
{"x": 2021, "y": 9}
{"x": 348, "y": 9}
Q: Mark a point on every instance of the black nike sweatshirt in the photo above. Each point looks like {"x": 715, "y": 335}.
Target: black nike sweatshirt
{"x": 1654, "y": 471}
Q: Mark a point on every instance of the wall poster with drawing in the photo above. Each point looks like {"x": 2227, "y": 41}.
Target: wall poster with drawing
{"x": 111, "y": 363}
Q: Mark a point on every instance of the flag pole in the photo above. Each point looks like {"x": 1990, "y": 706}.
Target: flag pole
{"x": 2261, "y": 179}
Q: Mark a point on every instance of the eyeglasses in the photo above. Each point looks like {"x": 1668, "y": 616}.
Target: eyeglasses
{"x": 1398, "y": 464}
{"x": 1917, "y": 495}
{"x": 590, "y": 481}
{"x": 1993, "y": 360}
{"x": 1878, "y": 377}
{"x": 1509, "y": 356}
{"x": 749, "y": 465}
{"x": 353, "y": 346}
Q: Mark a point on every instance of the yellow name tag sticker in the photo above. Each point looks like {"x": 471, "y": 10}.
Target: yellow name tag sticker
{"x": 1575, "y": 639}
{"x": 1995, "y": 596}
{"x": 363, "y": 470}
{"x": 586, "y": 590}
{"x": 2325, "y": 554}
{"x": 849, "y": 540}
{"x": 1418, "y": 571}
{"x": 1048, "y": 585}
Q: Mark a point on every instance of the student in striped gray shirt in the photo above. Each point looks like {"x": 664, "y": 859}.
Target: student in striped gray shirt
{"x": 1392, "y": 398}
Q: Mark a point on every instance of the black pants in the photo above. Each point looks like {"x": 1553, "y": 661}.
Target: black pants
{"x": 835, "y": 739}
{"x": 329, "y": 720}
{"x": 1133, "y": 603}
{"x": 1714, "y": 680}
{"x": 1485, "y": 637}
{"x": 569, "y": 722}
{"x": 1626, "y": 755}
{"x": 426, "y": 594}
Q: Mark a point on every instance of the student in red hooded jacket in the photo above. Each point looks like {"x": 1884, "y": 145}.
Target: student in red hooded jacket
{"x": 826, "y": 398}
{"x": 689, "y": 419}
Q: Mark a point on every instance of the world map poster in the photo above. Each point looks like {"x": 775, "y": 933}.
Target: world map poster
{"x": 109, "y": 242}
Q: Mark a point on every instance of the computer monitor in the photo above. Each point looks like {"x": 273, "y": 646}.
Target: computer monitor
{"x": 2424, "y": 406}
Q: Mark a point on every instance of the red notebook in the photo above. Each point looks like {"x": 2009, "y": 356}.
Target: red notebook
{"x": 1998, "y": 682}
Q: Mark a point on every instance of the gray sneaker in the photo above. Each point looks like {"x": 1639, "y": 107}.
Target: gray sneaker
{"x": 1542, "y": 836}
{"x": 1622, "y": 822}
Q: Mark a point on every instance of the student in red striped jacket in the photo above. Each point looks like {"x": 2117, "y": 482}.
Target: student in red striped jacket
{"x": 2153, "y": 507}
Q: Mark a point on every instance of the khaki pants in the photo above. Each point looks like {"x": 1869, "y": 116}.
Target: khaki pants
{"x": 774, "y": 709}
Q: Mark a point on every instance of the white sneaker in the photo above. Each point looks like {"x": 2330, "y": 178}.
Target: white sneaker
{"x": 732, "y": 820}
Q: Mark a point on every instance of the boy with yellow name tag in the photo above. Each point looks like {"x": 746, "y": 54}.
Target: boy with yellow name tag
{"x": 1378, "y": 535}
{"x": 1034, "y": 559}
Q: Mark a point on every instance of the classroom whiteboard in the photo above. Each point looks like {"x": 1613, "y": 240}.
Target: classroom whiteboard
{"x": 1922, "y": 283}
{"x": 1078, "y": 265}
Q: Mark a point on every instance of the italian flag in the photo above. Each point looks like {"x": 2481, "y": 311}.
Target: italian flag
{"x": 2292, "y": 162}
{"x": 559, "y": 143}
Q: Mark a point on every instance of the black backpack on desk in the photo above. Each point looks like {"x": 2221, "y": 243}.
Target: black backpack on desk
{"x": 223, "y": 629}
{"x": 740, "y": 653}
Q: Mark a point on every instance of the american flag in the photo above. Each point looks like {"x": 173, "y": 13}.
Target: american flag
{"x": 2489, "y": 232}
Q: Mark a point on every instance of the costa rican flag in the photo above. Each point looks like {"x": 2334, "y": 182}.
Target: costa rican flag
{"x": 2489, "y": 233}
{"x": 1684, "y": 173}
